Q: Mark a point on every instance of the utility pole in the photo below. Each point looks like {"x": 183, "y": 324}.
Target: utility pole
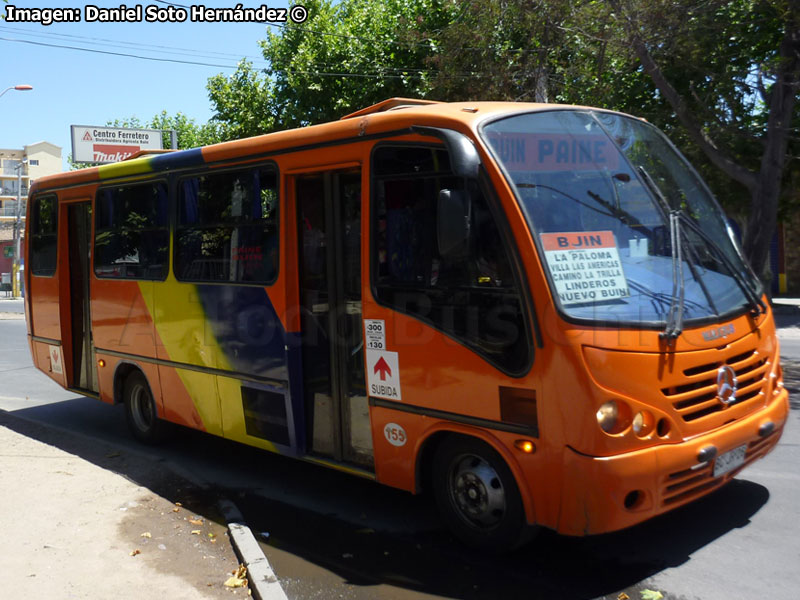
{"x": 17, "y": 231}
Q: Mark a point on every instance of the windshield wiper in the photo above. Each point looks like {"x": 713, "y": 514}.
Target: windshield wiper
{"x": 675, "y": 315}
{"x": 755, "y": 302}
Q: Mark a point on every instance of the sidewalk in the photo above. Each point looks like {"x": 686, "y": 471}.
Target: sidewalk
{"x": 11, "y": 308}
{"x": 76, "y": 529}
{"x": 786, "y": 305}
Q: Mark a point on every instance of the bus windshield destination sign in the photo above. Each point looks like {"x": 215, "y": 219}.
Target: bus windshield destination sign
{"x": 524, "y": 152}
{"x": 585, "y": 267}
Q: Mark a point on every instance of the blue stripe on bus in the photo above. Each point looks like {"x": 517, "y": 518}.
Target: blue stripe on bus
{"x": 247, "y": 329}
{"x": 177, "y": 160}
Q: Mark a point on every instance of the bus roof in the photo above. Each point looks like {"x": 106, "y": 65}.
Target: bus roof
{"x": 393, "y": 114}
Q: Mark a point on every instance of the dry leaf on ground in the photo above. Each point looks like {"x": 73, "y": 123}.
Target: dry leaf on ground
{"x": 239, "y": 578}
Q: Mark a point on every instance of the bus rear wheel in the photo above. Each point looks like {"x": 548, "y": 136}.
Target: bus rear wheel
{"x": 478, "y": 496}
{"x": 140, "y": 411}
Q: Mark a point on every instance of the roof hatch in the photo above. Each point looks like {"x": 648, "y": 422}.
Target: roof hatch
{"x": 390, "y": 104}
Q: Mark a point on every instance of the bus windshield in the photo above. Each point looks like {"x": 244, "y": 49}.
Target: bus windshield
{"x": 605, "y": 196}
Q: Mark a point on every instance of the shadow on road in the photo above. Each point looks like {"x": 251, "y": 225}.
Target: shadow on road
{"x": 552, "y": 566}
{"x": 339, "y": 522}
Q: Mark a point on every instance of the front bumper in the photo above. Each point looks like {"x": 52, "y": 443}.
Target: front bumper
{"x": 602, "y": 494}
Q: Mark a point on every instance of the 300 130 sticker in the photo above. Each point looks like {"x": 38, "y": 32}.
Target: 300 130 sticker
{"x": 395, "y": 434}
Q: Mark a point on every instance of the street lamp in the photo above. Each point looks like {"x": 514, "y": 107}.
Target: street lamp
{"x": 23, "y": 87}
{"x": 17, "y": 230}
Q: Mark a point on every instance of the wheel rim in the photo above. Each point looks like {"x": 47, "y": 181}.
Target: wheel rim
{"x": 142, "y": 408}
{"x": 476, "y": 491}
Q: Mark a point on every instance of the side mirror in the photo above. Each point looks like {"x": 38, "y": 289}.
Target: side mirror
{"x": 464, "y": 158}
{"x": 454, "y": 223}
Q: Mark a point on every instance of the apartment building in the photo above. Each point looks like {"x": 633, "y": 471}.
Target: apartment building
{"x": 43, "y": 158}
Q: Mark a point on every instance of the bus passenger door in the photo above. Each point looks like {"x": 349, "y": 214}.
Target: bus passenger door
{"x": 336, "y": 404}
{"x": 84, "y": 371}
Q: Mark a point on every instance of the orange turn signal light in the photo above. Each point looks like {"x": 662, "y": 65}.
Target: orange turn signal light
{"x": 525, "y": 446}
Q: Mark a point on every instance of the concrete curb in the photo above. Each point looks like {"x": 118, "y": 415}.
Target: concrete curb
{"x": 263, "y": 582}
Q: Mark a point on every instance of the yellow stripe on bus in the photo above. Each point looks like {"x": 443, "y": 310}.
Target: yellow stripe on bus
{"x": 125, "y": 168}
{"x": 187, "y": 337}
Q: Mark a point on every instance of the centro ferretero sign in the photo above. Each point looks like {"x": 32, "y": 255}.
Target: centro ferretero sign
{"x": 111, "y": 144}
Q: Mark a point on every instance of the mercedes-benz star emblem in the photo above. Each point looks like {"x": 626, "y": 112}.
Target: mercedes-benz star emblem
{"x": 726, "y": 385}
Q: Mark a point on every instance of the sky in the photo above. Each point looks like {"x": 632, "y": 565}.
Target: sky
{"x": 76, "y": 87}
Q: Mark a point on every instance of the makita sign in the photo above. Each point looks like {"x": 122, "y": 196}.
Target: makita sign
{"x": 111, "y": 144}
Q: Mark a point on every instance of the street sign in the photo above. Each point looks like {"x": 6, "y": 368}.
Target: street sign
{"x": 8, "y": 252}
{"x": 111, "y": 144}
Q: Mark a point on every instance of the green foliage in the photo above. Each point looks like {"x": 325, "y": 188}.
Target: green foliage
{"x": 189, "y": 133}
{"x": 722, "y": 57}
{"x": 717, "y": 54}
{"x": 345, "y": 56}
{"x": 243, "y": 103}
{"x": 501, "y": 51}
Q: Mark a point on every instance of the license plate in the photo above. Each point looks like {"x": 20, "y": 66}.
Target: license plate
{"x": 729, "y": 461}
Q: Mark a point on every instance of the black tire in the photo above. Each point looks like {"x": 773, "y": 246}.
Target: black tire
{"x": 478, "y": 496}
{"x": 140, "y": 411}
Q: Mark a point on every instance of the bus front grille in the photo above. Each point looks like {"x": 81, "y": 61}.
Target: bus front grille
{"x": 689, "y": 483}
{"x": 698, "y": 398}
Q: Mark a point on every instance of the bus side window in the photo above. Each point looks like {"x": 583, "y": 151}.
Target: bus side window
{"x": 471, "y": 294}
{"x": 132, "y": 232}
{"x": 44, "y": 235}
{"x": 227, "y": 228}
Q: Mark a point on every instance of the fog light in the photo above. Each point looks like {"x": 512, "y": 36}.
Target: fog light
{"x": 633, "y": 499}
{"x": 607, "y": 416}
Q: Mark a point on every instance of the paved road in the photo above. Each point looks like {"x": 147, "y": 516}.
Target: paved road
{"x": 8, "y": 305}
{"x": 335, "y": 536}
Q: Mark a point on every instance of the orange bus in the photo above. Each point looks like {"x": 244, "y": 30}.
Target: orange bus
{"x": 536, "y": 312}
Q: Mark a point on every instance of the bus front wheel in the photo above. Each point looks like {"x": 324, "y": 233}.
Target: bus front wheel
{"x": 140, "y": 410}
{"x": 478, "y": 496}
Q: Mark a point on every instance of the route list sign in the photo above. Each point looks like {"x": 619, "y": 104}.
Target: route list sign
{"x": 585, "y": 266}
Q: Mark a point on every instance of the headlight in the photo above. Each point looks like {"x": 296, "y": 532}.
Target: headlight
{"x": 614, "y": 416}
{"x": 607, "y": 416}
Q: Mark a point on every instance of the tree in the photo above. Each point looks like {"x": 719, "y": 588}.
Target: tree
{"x": 346, "y": 56}
{"x": 242, "y": 102}
{"x": 720, "y": 76}
{"x": 189, "y": 133}
{"x": 730, "y": 71}
{"x": 506, "y": 50}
